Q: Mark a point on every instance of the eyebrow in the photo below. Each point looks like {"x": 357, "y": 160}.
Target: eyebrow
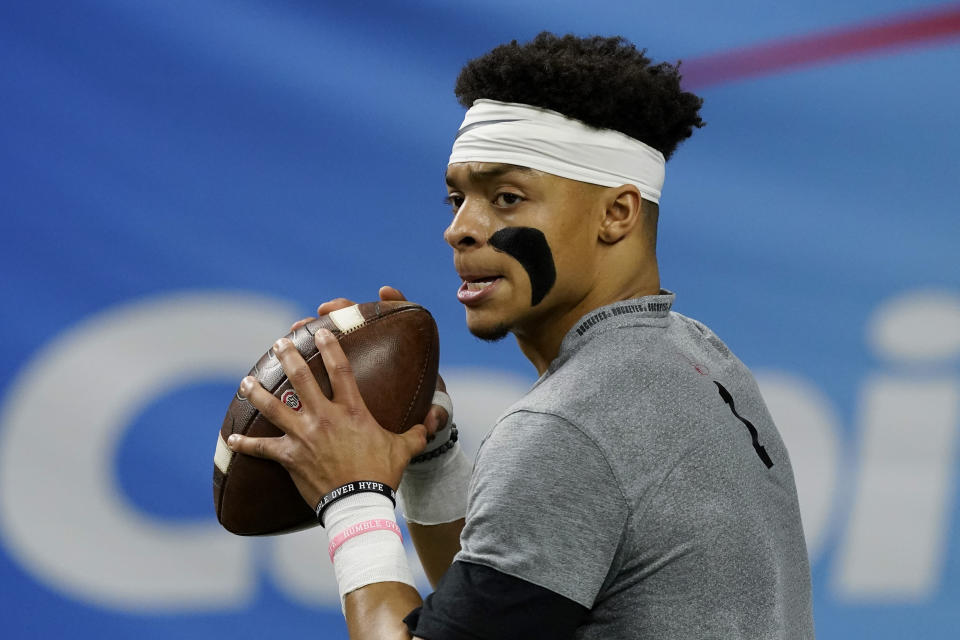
{"x": 494, "y": 171}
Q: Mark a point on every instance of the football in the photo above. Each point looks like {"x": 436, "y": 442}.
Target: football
{"x": 393, "y": 349}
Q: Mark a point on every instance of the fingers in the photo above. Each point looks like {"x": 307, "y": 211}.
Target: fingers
{"x": 265, "y": 402}
{"x": 269, "y": 448}
{"x": 299, "y": 323}
{"x": 333, "y": 305}
{"x": 388, "y": 293}
{"x": 342, "y": 381}
{"x": 299, "y": 374}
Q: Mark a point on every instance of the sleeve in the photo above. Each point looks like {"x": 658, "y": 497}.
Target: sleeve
{"x": 544, "y": 507}
{"x": 474, "y": 602}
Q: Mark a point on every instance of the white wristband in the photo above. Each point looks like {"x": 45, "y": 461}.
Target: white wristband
{"x": 376, "y": 555}
{"x": 435, "y": 492}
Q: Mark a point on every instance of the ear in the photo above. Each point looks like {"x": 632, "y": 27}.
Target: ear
{"x": 622, "y": 214}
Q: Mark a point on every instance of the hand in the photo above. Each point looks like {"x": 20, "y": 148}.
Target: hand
{"x": 437, "y": 416}
{"x": 329, "y": 442}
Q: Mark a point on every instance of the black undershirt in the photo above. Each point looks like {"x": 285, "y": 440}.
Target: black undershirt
{"x": 474, "y": 602}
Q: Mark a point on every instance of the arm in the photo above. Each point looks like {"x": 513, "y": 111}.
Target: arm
{"x": 436, "y": 545}
{"x": 376, "y": 611}
{"x": 433, "y": 496}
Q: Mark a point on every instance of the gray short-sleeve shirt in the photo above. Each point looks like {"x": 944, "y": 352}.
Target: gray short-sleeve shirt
{"x": 634, "y": 479}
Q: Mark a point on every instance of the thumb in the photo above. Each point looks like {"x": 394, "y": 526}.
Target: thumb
{"x": 414, "y": 440}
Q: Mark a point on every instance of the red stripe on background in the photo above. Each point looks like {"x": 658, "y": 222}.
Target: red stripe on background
{"x": 902, "y": 31}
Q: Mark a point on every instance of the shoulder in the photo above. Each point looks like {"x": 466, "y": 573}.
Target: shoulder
{"x": 636, "y": 388}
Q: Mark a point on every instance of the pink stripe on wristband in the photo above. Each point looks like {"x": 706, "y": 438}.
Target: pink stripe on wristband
{"x": 360, "y": 528}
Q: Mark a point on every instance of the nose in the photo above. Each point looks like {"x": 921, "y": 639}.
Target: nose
{"x": 470, "y": 226}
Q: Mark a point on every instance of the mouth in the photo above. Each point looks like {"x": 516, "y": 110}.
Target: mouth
{"x": 475, "y": 288}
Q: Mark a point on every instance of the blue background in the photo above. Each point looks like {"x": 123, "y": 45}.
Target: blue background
{"x": 296, "y": 150}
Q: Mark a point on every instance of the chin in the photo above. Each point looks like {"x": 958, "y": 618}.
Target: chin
{"x": 493, "y": 333}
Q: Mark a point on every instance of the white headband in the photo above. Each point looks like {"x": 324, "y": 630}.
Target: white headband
{"x": 548, "y": 141}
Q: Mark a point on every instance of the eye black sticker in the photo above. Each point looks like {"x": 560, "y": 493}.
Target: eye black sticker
{"x": 529, "y": 247}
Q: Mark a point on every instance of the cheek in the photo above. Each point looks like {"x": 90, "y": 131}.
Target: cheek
{"x": 572, "y": 233}
{"x": 573, "y": 255}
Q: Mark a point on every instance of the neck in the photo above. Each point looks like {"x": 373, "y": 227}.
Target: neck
{"x": 541, "y": 343}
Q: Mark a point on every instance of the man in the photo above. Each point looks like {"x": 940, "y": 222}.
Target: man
{"x": 640, "y": 489}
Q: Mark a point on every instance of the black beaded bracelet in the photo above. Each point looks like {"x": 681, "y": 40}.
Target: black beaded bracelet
{"x": 439, "y": 451}
{"x": 351, "y": 488}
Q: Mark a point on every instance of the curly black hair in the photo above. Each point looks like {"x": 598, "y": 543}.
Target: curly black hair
{"x": 603, "y": 82}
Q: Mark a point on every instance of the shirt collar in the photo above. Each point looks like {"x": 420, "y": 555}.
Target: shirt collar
{"x": 652, "y": 310}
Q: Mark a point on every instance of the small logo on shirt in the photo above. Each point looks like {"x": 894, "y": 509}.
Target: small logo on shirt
{"x": 621, "y": 310}
{"x": 592, "y": 320}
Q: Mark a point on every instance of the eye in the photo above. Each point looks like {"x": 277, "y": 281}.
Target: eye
{"x": 507, "y": 199}
{"x": 453, "y": 200}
